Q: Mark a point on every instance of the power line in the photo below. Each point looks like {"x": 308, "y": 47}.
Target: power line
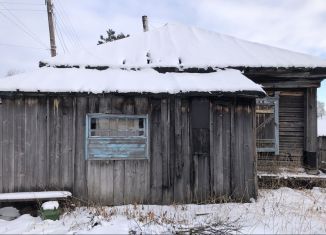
{"x": 16, "y": 45}
{"x": 23, "y": 3}
{"x": 21, "y": 6}
{"x": 63, "y": 27}
{"x": 20, "y": 9}
{"x": 20, "y": 24}
{"x": 66, "y": 30}
{"x": 60, "y": 39}
{"x": 74, "y": 32}
{"x": 72, "y": 28}
{"x": 60, "y": 36}
{"x": 23, "y": 27}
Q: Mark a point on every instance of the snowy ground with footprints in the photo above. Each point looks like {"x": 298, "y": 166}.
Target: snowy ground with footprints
{"x": 283, "y": 210}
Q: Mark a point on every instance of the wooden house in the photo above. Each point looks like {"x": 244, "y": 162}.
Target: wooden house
{"x": 120, "y": 136}
{"x": 160, "y": 117}
{"x": 286, "y": 119}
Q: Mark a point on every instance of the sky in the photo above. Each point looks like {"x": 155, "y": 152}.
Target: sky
{"x": 297, "y": 25}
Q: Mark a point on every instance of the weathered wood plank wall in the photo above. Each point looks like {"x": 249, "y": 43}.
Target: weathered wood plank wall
{"x": 42, "y": 140}
{"x": 310, "y": 133}
{"x": 322, "y": 153}
{"x": 220, "y": 151}
{"x": 291, "y": 116}
{"x": 291, "y": 133}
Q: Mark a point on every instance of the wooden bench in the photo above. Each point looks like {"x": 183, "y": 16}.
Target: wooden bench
{"x": 34, "y": 196}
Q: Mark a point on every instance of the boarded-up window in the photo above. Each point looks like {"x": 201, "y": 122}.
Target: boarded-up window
{"x": 116, "y": 136}
{"x": 267, "y": 124}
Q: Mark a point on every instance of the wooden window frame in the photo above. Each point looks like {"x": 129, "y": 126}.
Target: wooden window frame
{"x": 272, "y": 101}
{"x": 88, "y": 136}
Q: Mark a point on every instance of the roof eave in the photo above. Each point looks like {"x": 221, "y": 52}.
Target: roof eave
{"x": 248, "y": 94}
{"x": 317, "y": 72}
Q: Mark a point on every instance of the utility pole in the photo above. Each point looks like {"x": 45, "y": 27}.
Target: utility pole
{"x": 145, "y": 23}
{"x": 49, "y": 6}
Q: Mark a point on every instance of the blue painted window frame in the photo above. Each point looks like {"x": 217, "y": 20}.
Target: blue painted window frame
{"x": 88, "y": 136}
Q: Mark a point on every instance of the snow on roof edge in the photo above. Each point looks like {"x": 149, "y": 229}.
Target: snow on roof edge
{"x": 153, "y": 66}
{"x": 126, "y": 81}
{"x": 166, "y": 45}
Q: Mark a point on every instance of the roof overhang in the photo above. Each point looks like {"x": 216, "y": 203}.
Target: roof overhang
{"x": 318, "y": 73}
{"x": 120, "y": 81}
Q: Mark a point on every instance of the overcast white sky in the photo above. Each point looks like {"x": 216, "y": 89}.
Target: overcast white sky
{"x": 297, "y": 25}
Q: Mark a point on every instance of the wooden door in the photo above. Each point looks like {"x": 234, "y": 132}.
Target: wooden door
{"x": 200, "y": 119}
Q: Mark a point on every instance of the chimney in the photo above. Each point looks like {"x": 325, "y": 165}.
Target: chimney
{"x": 145, "y": 23}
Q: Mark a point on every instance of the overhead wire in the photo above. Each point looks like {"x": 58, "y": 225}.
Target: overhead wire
{"x": 21, "y": 6}
{"x": 22, "y": 3}
{"x": 59, "y": 33}
{"x": 72, "y": 28}
{"x": 16, "y": 45}
{"x": 74, "y": 36}
{"x": 66, "y": 17}
{"x": 63, "y": 28}
{"x": 11, "y": 9}
{"x": 63, "y": 21}
{"x": 15, "y": 20}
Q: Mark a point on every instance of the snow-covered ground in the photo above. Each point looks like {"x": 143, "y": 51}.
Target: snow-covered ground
{"x": 276, "y": 211}
{"x": 298, "y": 174}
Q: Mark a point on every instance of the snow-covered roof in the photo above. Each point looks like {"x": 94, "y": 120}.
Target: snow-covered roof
{"x": 126, "y": 81}
{"x": 175, "y": 45}
{"x": 321, "y": 123}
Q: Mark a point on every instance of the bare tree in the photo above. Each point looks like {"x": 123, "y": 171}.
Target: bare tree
{"x": 320, "y": 109}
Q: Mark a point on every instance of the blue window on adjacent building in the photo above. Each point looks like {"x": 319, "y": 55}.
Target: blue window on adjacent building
{"x": 116, "y": 136}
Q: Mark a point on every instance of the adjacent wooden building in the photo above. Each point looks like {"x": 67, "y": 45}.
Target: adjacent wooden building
{"x": 127, "y": 147}
{"x": 292, "y": 123}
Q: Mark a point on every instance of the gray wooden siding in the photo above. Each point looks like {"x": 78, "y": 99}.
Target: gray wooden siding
{"x": 322, "y": 152}
{"x": 42, "y": 142}
{"x": 310, "y": 160}
{"x": 291, "y": 124}
{"x": 291, "y": 133}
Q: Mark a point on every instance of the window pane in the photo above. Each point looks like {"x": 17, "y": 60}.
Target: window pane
{"x": 141, "y": 123}
{"x": 93, "y": 123}
{"x": 141, "y": 133}
{"x": 117, "y": 127}
{"x": 113, "y": 136}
